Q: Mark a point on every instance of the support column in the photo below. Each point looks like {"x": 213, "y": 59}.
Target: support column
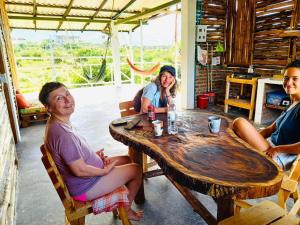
{"x": 188, "y": 24}
{"x": 142, "y": 50}
{"x": 131, "y": 58}
{"x": 116, "y": 54}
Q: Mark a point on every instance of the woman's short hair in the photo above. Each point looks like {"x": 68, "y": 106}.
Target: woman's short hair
{"x": 295, "y": 63}
{"x": 46, "y": 90}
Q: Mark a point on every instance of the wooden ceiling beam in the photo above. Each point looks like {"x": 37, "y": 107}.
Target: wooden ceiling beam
{"x": 65, "y": 14}
{"x": 64, "y": 7}
{"x": 63, "y": 19}
{"x": 34, "y": 13}
{"x": 95, "y": 13}
{"x": 148, "y": 13}
{"x": 54, "y": 29}
{"x": 118, "y": 14}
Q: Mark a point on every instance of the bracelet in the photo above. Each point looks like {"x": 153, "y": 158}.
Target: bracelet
{"x": 168, "y": 96}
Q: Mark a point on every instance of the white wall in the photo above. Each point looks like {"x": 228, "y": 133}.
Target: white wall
{"x": 188, "y": 24}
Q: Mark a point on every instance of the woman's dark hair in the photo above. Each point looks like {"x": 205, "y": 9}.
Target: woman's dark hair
{"x": 295, "y": 63}
{"x": 46, "y": 90}
{"x": 157, "y": 81}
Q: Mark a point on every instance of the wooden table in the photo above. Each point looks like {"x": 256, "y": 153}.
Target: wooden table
{"x": 219, "y": 165}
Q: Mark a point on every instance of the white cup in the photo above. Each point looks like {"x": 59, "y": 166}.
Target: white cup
{"x": 158, "y": 127}
{"x": 214, "y": 123}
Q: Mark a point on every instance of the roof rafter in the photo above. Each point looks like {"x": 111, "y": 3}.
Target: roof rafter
{"x": 63, "y": 19}
{"x": 65, "y": 14}
{"x": 148, "y": 12}
{"x": 95, "y": 14}
{"x": 118, "y": 14}
{"x": 64, "y": 7}
{"x": 34, "y": 13}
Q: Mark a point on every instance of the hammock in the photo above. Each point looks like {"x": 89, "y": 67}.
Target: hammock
{"x": 143, "y": 72}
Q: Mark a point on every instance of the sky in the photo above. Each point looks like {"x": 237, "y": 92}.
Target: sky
{"x": 158, "y": 32}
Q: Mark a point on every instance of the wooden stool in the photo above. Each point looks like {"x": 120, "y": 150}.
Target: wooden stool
{"x": 266, "y": 212}
{"x": 241, "y": 103}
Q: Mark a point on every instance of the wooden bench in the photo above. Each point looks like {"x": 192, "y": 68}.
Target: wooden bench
{"x": 264, "y": 213}
{"x": 36, "y": 113}
{"x": 75, "y": 211}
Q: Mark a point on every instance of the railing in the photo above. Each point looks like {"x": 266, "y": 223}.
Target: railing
{"x": 74, "y": 72}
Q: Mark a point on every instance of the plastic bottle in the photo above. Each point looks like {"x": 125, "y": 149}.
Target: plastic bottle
{"x": 172, "y": 127}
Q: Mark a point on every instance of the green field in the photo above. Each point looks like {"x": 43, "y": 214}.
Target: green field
{"x": 78, "y": 64}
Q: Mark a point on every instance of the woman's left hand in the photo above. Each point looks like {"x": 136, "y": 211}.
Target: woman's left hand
{"x": 104, "y": 158}
{"x": 271, "y": 152}
{"x": 170, "y": 86}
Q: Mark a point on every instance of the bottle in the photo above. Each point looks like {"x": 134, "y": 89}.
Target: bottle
{"x": 151, "y": 113}
{"x": 172, "y": 127}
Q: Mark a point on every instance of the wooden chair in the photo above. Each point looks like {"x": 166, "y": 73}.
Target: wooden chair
{"x": 75, "y": 211}
{"x": 127, "y": 109}
{"x": 289, "y": 188}
{"x": 266, "y": 212}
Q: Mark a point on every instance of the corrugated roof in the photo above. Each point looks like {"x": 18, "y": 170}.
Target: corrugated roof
{"x": 91, "y": 15}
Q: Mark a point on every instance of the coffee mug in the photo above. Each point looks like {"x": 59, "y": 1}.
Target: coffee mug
{"x": 158, "y": 127}
{"x": 214, "y": 123}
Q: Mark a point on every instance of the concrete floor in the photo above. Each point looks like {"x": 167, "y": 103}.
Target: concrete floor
{"x": 38, "y": 202}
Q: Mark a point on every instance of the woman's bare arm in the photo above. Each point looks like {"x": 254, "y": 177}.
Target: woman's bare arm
{"x": 81, "y": 169}
{"x": 145, "y": 102}
{"x": 266, "y": 132}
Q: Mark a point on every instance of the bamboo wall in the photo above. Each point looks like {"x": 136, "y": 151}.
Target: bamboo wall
{"x": 8, "y": 158}
{"x": 8, "y": 165}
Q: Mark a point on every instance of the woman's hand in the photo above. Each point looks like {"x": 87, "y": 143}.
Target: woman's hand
{"x": 170, "y": 86}
{"x": 107, "y": 168}
{"x": 106, "y": 160}
{"x": 271, "y": 152}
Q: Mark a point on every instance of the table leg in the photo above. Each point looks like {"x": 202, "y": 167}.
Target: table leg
{"x": 225, "y": 208}
{"x": 137, "y": 157}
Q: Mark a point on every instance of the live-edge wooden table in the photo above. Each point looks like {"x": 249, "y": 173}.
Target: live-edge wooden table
{"x": 219, "y": 165}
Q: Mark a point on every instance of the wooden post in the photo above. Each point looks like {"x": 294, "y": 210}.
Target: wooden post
{"x": 137, "y": 157}
{"x": 225, "y": 208}
{"x": 8, "y": 44}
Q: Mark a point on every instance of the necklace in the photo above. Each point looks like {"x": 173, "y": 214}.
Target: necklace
{"x": 54, "y": 118}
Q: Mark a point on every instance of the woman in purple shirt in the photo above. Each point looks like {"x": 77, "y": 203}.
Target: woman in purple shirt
{"x": 88, "y": 174}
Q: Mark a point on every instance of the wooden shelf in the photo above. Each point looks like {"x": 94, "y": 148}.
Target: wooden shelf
{"x": 241, "y": 103}
{"x": 275, "y": 107}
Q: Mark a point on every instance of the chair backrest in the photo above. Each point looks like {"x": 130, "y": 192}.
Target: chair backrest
{"x": 295, "y": 170}
{"x": 127, "y": 108}
{"x": 289, "y": 187}
{"x": 56, "y": 179}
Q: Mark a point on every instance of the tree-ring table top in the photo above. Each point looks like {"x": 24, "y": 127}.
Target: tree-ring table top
{"x": 219, "y": 165}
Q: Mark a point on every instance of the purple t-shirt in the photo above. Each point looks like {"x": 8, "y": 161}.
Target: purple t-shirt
{"x": 66, "y": 147}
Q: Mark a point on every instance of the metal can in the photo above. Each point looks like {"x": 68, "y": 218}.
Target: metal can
{"x": 151, "y": 113}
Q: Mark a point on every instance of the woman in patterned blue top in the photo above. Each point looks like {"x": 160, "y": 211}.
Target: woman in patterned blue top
{"x": 280, "y": 140}
{"x": 160, "y": 91}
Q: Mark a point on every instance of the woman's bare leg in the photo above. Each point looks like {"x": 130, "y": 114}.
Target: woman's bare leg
{"x": 246, "y": 131}
{"x": 122, "y": 160}
{"x": 130, "y": 175}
